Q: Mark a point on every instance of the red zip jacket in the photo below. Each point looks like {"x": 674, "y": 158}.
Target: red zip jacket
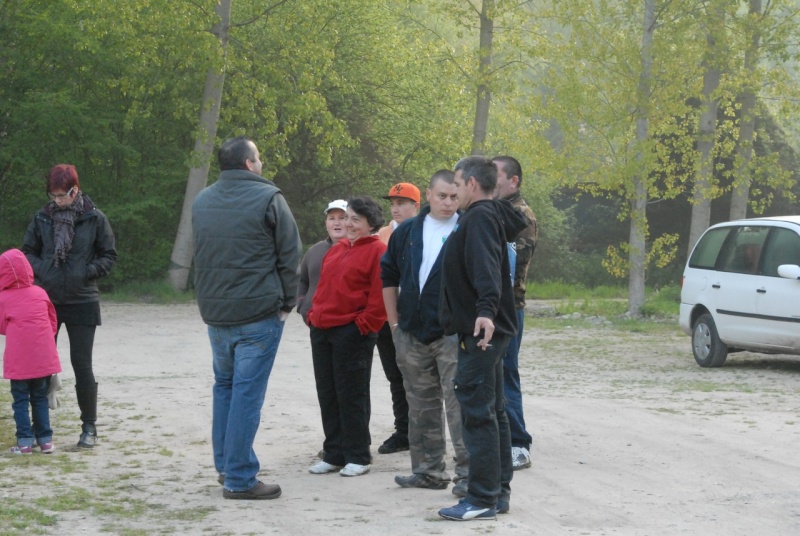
{"x": 28, "y": 320}
{"x": 350, "y": 288}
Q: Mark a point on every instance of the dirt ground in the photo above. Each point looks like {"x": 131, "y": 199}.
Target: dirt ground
{"x": 630, "y": 438}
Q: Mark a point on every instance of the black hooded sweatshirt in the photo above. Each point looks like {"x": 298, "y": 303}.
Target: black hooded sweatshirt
{"x": 476, "y": 273}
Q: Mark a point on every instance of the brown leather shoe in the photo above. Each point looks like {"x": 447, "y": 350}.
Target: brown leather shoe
{"x": 260, "y": 491}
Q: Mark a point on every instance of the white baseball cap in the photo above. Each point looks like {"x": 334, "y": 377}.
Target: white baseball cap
{"x": 338, "y": 204}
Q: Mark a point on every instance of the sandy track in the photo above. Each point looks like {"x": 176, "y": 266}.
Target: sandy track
{"x": 631, "y": 438}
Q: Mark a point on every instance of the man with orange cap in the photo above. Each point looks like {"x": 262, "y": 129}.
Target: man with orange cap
{"x": 404, "y": 198}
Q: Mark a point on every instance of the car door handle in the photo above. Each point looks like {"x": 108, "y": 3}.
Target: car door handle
{"x": 715, "y": 285}
{"x": 761, "y": 290}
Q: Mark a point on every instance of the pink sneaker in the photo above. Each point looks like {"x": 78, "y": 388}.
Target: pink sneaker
{"x": 47, "y": 448}
{"x": 19, "y": 449}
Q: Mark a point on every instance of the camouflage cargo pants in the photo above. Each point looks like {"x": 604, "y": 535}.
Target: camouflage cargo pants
{"x": 428, "y": 373}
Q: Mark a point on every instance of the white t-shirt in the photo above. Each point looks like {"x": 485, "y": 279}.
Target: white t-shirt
{"x": 434, "y": 234}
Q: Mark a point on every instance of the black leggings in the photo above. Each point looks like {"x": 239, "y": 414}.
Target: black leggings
{"x": 81, "y": 342}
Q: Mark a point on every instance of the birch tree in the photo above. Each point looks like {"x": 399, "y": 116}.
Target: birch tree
{"x": 621, "y": 115}
{"x": 638, "y": 236}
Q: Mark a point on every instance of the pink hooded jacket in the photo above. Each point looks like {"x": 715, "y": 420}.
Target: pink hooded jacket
{"x": 28, "y": 320}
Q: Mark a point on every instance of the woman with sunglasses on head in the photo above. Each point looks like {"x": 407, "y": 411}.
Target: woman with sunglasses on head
{"x": 70, "y": 245}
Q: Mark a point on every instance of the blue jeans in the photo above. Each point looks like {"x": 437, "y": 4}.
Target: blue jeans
{"x": 33, "y": 393}
{"x": 513, "y": 392}
{"x": 479, "y": 390}
{"x": 243, "y": 359}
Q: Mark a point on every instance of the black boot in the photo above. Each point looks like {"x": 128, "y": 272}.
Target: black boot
{"x": 87, "y": 401}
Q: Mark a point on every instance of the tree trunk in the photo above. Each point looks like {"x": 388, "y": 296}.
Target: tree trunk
{"x": 744, "y": 147}
{"x": 701, "y": 197}
{"x": 183, "y": 249}
{"x": 484, "y": 96}
{"x": 706, "y": 134}
{"x": 637, "y": 255}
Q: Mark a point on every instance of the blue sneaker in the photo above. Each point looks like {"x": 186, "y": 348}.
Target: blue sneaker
{"x": 465, "y": 511}
{"x": 502, "y": 506}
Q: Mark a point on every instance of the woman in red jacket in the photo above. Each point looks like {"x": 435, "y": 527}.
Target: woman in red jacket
{"x": 346, "y": 313}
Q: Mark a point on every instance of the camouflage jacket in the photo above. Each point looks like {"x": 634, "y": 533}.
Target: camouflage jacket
{"x": 525, "y": 245}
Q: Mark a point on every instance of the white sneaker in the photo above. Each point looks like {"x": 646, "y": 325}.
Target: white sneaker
{"x": 520, "y": 458}
{"x": 353, "y": 469}
{"x": 322, "y": 468}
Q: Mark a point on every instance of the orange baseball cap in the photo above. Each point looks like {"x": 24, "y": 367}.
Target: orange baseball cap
{"x": 405, "y": 190}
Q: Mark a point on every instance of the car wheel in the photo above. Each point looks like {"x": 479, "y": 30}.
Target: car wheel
{"x": 708, "y": 350}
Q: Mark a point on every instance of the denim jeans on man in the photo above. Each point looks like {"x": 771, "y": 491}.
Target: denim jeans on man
{"x": 243, "y": 359}
{"x": 31, "y": 393}
{"x": 479, "y": 389}
{"x": 513, "y": 392}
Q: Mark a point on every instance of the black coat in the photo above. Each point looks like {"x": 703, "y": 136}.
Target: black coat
{"x": 92, "y": 256}
{"x": 476, "y": 273}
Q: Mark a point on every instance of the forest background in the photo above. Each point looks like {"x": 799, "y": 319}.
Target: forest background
{"x": 637, "y": 123}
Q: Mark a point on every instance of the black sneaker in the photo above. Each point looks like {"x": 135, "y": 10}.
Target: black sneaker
{"x": 420, "y": 481}
{"x": 395, "y": 443}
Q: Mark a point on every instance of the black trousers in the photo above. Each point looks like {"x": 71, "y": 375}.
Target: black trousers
{"x": 342, "y": 369}
{"x": 81, "y": 343}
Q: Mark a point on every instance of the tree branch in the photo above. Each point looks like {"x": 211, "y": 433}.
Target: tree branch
{"x": 264, "y": 13}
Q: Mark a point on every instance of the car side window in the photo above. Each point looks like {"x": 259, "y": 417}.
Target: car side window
{"x": 783, "y": 248}
{"x": 742, "y": 252}
{"x": 707, "y": 250}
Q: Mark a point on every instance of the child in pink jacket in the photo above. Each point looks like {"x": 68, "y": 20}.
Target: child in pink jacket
{"x": 28, "y": 320}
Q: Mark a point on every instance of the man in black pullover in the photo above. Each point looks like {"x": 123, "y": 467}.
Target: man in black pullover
{"x": 477, "y": 304}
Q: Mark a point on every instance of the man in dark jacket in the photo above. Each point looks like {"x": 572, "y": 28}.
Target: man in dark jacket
{"x": 477, "y": 304}
{"x": 247, "y": 249}
{"x": 509, "y": 182}
{"x": 426, "y": 357}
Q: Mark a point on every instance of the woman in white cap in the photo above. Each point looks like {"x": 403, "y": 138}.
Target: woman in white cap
{"x": 335, "y": 224}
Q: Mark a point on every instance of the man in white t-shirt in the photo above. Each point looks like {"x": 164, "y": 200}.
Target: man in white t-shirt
{"x": 426, "y": 358}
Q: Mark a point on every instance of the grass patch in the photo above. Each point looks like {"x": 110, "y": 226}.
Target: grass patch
{"x": 563, "y": 291}
{"x": 17, "y": 517}
{"x": 191, "y": 514}
{"x": 664, "y": 302}
{"x": 159, "y": 292}
{"x": 609, "y": 305}
{"x": 709, "y": 387}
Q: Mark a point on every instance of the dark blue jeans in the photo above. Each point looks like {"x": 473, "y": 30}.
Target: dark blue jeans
{"x": 31, "y": 393}
{"x": 342, "y": 369}
{"x": 479, "y": 390}
{"x": 513, "y": 391}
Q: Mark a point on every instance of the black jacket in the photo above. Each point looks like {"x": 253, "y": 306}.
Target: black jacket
{"x": 476, "y": 271}
{"x": 418, "y": 312}
{"x": 92, "y": 256}
{"x": 246, "y": 250}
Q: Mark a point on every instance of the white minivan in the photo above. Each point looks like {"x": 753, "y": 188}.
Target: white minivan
{"x": 741, "y": 289}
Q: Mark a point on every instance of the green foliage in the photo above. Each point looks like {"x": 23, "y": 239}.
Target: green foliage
{"x": 347, "y": 97}
{"x": 663, "y": 302}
